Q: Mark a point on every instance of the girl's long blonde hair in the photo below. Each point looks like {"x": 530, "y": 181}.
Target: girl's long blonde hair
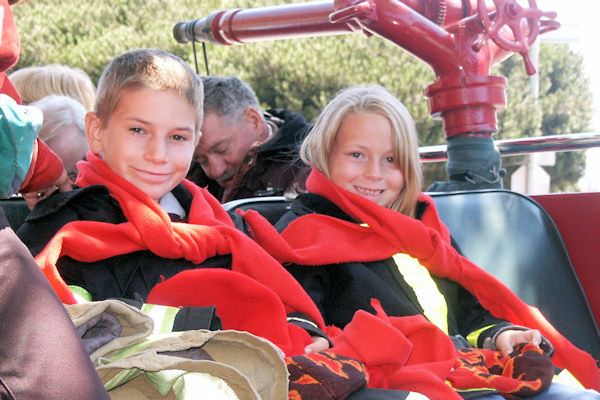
{"x": 318, "y": 145}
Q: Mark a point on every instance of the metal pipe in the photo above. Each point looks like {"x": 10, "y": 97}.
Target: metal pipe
{"x": 515, "y": 147}
{"x": 239, "y": 26}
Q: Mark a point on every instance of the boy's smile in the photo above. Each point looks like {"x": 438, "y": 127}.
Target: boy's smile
{"x": 149, "y": 140}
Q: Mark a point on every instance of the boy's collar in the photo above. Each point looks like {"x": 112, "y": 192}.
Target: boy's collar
{"x": 172, "y": 206}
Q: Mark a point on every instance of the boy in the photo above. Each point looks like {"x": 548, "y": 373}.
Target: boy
{"x": 112, "y": 237}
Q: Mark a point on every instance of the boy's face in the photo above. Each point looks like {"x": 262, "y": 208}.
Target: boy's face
{"x": 149, "y": 140}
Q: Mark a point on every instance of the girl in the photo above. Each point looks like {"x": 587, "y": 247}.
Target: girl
{"x": 365, "y": 231}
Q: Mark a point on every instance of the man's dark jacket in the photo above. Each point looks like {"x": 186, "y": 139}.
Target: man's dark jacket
{"x": 270, "y": 169}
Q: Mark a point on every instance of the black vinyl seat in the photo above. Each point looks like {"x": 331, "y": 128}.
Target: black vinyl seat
{"x": 16, "y": 211}
{"x": 513, "y": 238}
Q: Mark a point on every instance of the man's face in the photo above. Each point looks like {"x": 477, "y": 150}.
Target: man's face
{"x": 224, "y": 145}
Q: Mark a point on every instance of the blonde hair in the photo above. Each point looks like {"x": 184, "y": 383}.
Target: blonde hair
{"x": 318, "y": 145}
{"x": 35, "y": 83}
{"x": 150, "y": 69}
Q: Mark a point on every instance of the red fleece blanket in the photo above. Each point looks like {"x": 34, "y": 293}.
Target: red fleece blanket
{"x": 254, "y": 296}
{"x": 389, "y": 232}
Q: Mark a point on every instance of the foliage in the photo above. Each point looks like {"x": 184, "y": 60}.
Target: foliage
{"x": 303, "y": 74}
{"x": 564, "y": 105}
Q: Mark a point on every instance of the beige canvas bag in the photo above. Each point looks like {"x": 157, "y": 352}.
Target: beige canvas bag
{"x": 180, "y": 365}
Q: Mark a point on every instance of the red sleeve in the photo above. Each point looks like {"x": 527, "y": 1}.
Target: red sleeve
{"x": 7, "y": 88}
{"x": 46, "y": 168}
{"x": 10, "y": 48}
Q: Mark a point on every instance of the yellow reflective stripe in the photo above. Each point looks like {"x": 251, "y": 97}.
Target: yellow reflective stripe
{"x": 566, "y": 377}
{"x": 81, "y": 295}
{"x": 163, "y": 317}
{"x": 473, "y": 337}
{"x": 429, "y": 297}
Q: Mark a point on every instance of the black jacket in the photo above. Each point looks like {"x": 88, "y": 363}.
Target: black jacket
{"x": 129, "y": 276}
{"x": 270, "y": 169}
{"x": 339, "y": 290}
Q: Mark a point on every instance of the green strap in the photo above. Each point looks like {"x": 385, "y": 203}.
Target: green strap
{"x": 81, "y": 295}
{"x": 163, "y": 317}
{"x": 185, "y": 384}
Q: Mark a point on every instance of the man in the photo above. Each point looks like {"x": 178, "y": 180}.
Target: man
{"x": 244, "y": 152}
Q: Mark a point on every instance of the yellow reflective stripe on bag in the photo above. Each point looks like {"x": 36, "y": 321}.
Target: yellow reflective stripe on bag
{"x": 163, "y": 317}
{"x": 184, "y": 384}
{"x": 429, "y": 297}
{"x": 81, "y": 295}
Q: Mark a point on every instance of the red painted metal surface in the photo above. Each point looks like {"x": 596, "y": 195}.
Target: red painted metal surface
{"x": 577, "y": 216}
{"x": 459, "y": 40}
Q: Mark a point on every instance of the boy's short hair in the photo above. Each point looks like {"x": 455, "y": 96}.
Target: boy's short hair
{"x": 150, "y": 69}
{"x": 60, "y": 112}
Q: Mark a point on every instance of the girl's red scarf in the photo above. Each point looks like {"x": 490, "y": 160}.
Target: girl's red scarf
{"x": 210, "y": 232}
{"x": 332, "y": 240}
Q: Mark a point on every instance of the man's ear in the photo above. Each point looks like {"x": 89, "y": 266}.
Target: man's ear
{"x": 253, "y": 118}
{"x": 93, "y": 132}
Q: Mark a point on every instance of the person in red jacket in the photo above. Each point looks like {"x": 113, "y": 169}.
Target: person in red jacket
{"x": 45, "y": 172}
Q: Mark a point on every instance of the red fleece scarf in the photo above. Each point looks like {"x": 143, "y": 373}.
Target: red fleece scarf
{"x": 210, "y": 232}
{"x": 390, "y": 232}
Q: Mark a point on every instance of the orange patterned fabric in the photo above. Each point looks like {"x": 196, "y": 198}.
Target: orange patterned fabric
{"x": 324, "y": 375}
{"x": 523, "y": 373}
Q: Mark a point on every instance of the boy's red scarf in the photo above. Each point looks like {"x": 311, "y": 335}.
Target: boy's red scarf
{"x": 332, "y": 240}
{"x": 210, "y": 232}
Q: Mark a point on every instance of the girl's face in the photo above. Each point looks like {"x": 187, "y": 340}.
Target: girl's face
{"x": 362, "y": 160}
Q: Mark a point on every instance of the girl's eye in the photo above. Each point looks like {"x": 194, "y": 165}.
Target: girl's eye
{"x": 136, "y": 130}
{"x": 390, "y": 160}
{"x": 355, "y": 154}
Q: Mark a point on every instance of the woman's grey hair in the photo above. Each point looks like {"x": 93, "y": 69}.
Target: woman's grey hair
{"x": 60, "y": 112}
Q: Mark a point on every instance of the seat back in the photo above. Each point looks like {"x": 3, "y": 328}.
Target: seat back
{"x": 513, "y": 238}
{"x": 16, "y": 211}
{"x": 272, "y": 207}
